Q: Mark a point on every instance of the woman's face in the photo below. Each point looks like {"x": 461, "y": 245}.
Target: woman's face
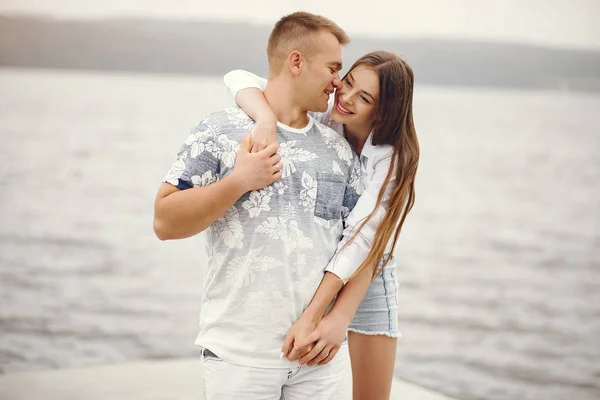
{"x": 356, "y": 101}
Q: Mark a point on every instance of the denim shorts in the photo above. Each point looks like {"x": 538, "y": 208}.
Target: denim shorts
{"x": 377, "y": 314}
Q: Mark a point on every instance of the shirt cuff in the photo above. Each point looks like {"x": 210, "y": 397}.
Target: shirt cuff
{"x": 344, "y": 264}
{"x": 182, "y": 185}
{"x": 236, "y": 81}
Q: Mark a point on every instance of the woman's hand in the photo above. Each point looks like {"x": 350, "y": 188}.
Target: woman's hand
{"x": 257, "y": 170}
{"x": 301, "y": 329}
{"x": 263, "y": 134}
{"x": 329, "y": 336}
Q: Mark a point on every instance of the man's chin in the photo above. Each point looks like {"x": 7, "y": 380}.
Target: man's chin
{"x": 318, "y": 107}
{"x": 323, "y": 107}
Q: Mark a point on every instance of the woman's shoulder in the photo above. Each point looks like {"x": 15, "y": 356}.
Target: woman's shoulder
{"x": 378, "y": 152}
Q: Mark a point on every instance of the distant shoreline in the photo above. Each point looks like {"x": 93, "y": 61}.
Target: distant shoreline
{"x": 214, "y": 48}
{"x": 185, "y": 75}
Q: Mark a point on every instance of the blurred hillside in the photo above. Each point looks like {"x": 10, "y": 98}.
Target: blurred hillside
{"x": 210, "y": 47}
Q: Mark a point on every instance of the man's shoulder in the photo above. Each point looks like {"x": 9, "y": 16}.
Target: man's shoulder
{"x": 232, "y": 122}
{"x": 336, "y": 140}
{"x": 232, "y": 117}
{"x": 319, "y": 125}
{"x": 329, "y": 132}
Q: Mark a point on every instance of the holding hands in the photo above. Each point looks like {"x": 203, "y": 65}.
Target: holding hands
{"x": 319, "y": 345}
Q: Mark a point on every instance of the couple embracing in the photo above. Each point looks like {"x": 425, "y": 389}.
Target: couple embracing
{"x": 302, "y": 217}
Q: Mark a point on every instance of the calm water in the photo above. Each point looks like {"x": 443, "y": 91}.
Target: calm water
{"x": 499, "y": 262}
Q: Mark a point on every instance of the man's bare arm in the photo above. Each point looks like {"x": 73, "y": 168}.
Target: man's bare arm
{"x": 183, "y": 213}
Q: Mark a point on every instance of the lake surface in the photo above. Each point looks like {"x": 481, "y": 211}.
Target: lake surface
{"x": 499, "y": 263}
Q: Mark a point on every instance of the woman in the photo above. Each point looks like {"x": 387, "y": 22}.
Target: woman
{"x": 373, "y": 109}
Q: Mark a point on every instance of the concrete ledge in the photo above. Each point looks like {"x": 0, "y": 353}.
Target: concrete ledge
{"x": 153, "y": 380}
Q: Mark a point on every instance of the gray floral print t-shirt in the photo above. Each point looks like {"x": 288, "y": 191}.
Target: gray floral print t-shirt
{"x": 267, "y": 254}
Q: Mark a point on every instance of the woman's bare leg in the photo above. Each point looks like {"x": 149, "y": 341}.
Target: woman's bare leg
{"x": 372, "y": 358}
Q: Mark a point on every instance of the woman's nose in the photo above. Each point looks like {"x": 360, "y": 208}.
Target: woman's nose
{"x": 347, "y": 97}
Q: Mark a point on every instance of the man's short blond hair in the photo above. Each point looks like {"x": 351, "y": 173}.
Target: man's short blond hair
{"x": 298, "y": 31}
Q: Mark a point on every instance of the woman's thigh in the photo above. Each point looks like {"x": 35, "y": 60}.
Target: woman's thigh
{"x": 373, "y": 337}
{"x": 372, "y": 358}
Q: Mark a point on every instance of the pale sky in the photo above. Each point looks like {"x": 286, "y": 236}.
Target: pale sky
{"x": 563, "y": 23}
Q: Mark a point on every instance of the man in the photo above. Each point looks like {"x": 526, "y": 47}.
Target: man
{"x": 267, "y": 247}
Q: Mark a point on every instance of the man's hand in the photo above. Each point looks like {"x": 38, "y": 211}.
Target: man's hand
{"x": 256, "y": 170}
{"x": 329, "y": 336}
{"x": 263, "y": 134}
{"x": 299, "y": 331}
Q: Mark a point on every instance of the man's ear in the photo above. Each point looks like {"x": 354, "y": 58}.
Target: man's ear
{"x": 295, "y": 62}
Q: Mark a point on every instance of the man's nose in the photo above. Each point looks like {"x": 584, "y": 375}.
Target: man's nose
{"x": 337, "y": 82}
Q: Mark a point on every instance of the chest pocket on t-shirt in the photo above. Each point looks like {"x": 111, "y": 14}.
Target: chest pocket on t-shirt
{"x": 330, "y": 196}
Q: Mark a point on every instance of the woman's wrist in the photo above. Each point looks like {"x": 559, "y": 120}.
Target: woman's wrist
{"x": 266, "y": 117}
{"x": 326, "y": 293}
{"x": 342, "y": 315}
{"x": 313, "y": 314}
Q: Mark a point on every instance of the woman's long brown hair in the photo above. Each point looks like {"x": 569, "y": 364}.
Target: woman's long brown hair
{"x": 393, "y": 126}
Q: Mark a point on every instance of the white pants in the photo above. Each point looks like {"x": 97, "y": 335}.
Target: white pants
{"x": 225, "y": 381}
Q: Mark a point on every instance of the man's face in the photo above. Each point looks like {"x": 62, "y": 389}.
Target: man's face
{"x": 321, "y": 75}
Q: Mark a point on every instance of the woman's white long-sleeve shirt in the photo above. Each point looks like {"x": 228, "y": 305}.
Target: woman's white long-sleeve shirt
{"x": 375, "y": 164}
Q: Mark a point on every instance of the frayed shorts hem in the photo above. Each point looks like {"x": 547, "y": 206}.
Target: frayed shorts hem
{"x": 395, "y": 335}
